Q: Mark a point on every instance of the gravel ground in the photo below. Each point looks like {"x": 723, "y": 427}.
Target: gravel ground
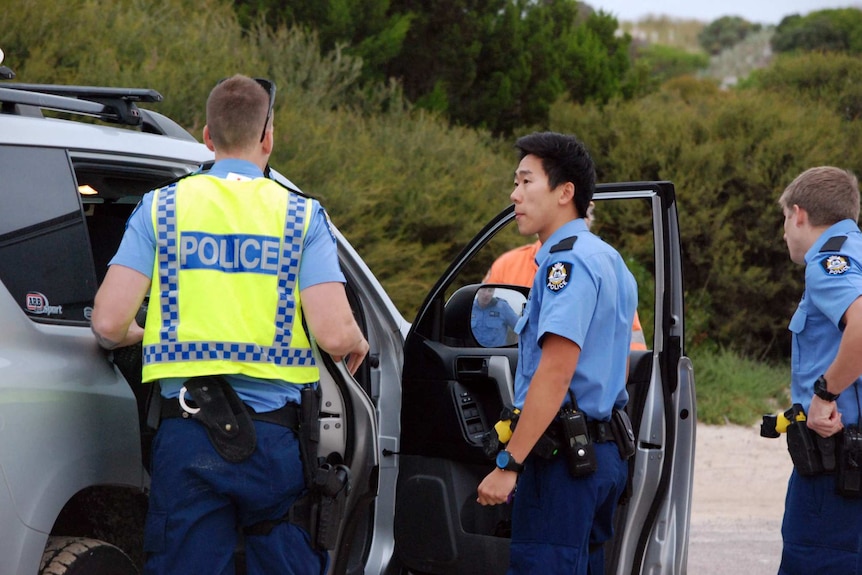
{"x": 740, "y": 480}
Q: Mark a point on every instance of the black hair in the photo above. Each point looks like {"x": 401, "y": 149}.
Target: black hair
{"x": 564, "y": 159}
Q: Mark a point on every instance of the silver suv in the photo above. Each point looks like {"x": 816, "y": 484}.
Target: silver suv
{"x": 74, "y": 439}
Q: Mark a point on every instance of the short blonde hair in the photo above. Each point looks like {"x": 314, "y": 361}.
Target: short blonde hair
{"x": 236, "y": 110}
{"x": 826, "y": 193}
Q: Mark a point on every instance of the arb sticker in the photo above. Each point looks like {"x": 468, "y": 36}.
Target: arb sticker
{"x": 37, "y": 303}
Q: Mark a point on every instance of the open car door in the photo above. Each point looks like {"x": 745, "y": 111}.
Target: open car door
{"x": 454, "y": 389}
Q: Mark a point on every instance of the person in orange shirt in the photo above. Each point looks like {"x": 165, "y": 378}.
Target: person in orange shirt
{"x": 518, "y": 267}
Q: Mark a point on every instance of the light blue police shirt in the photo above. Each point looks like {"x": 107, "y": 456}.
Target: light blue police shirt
{"x": 490, "y": 323}
{"x": 833, "y": 280}
{"x": 587, "y": 295}
{"x": 138, "y": 251}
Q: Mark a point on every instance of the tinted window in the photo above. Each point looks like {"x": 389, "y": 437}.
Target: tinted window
{"x": 45, "y": 260}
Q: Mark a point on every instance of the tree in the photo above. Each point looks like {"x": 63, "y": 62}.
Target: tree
{"x": 500, "y": 64}
{"x": 441, "y": 52}
{"x": 725, "y": 33}
{"x": 596, "y": 59}
{"x": 367, "y": 29}
{"x": 495, "y": 64}
{"x": 837, "y": 30}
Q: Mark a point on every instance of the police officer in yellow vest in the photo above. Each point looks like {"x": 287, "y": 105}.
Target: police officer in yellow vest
{"x": 232, "y": 263}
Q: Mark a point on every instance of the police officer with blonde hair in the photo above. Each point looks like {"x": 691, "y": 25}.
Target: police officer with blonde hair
{"x": 233, "y": 264}
{"x": 822, "y": 528}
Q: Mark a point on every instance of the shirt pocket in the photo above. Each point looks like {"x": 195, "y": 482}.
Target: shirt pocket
{"x": 797, "y": 325}
{"x": 522, "y": 323}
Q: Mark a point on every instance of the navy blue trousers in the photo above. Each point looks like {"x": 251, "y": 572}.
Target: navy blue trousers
{"x": 822, "y": 531}
{"x": 556, "y": 518}
{"x": 199, "y": 500}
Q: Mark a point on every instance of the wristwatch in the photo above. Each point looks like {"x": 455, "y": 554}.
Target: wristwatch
{"x": 821, "y": 391}
{"x": 506, "y": 461}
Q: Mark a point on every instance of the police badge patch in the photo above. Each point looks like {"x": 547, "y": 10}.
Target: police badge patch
{"x": 558, "y": 276}
{"x": 835, "y": 265}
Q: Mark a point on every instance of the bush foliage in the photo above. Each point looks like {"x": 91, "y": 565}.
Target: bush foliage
{"x": 408, "y": 189}
{"x": 495, "y": 64}
{"x": 725, "y": 33}
{"x": 838, "y": 30}
{"x": 730, "y": 154}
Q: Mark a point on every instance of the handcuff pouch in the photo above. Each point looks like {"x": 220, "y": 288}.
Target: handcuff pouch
{"x": 225, "y": 417}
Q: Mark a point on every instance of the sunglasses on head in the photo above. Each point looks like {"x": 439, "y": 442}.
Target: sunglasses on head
{"x": 269, "y": 87}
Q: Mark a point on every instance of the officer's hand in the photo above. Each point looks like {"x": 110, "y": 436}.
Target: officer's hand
{"x": 824, "y": 417}
{"x": 497, "y": 487}
{"x": 355, "y": 356}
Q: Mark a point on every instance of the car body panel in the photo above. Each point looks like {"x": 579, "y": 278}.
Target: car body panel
{"x": 58, "y": 396}
{"x": 74, "y": 136}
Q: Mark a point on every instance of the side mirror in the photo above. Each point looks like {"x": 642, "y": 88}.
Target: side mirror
{"x": 494, "y": 314}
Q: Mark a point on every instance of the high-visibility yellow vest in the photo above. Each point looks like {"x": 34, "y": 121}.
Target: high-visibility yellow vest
{"x": 225, "y": 294}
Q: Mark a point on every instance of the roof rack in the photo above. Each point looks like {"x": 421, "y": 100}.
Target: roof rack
{"x": 115, "y": 105}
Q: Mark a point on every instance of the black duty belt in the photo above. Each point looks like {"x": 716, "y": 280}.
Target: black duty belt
{"x": 287, "y": 416}
{"x": 600, "y": 431}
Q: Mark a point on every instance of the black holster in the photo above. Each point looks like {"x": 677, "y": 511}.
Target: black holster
{"x": 811, "y": 454}
{"x": 546, "y": 447}
{"x": 331, "y": 487}
{"x": 848, "y": 480}
{"x": 320, "y": 511}
{"x": 624, "y": 435}
{"x": 328, "y": 482}
{"x": 225, "y": 417}
{"x": 309, "y": 432}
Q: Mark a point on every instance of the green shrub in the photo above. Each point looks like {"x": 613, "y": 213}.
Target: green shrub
{"x": 732, "y": 388}
{"x": 662, "y": 63}
{"x": 829, "y": 80}
{"x": 838, "y": 30}
{"x": 729, "y": 154}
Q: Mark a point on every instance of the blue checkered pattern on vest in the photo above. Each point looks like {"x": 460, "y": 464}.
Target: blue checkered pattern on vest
{"x": 279, "y": 353}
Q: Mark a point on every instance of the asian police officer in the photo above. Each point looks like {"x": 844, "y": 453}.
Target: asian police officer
{"x": 573, "y": 342}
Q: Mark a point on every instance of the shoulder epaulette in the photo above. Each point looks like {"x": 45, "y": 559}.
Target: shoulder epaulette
{"x": 833, "y": 244}
{"x": 564, "y": 245}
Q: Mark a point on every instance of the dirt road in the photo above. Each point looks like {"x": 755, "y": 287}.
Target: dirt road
{"x": 740, "y": 480}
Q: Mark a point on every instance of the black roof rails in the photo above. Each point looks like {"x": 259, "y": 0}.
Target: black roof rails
{"x": 116, "y": 105}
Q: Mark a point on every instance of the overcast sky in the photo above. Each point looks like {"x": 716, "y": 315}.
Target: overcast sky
{"x": 761, "y": 11}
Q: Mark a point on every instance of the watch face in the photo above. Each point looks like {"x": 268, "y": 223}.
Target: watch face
{"x": 507, "y": 462}
{"x": 821, "y": 391}
{"x": 503, "y": 459}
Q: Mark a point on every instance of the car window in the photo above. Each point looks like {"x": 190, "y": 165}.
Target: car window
{"x": 110, "y": 189}
{"x": 45, "y": 259}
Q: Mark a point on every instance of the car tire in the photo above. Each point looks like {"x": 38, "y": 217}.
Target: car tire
{"x": 83, "y": 556}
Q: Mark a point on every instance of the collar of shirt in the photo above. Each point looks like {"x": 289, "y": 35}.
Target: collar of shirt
{"x": 570, "y": 228}
{"x": 222, "y": 168}
{"x": 837, "y": 229}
